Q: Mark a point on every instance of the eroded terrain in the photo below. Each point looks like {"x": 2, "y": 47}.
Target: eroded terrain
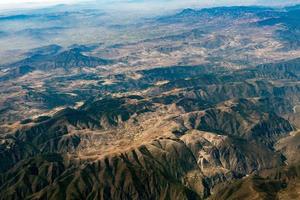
{"x": 204, "y": 104}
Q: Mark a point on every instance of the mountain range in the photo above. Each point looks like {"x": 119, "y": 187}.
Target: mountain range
{"x": 201, "y": 104}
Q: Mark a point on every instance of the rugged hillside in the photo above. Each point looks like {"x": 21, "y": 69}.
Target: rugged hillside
{"x": 280, "y": 184}
{"x": 180, "y": 139}
{"x": 203, "y": 104}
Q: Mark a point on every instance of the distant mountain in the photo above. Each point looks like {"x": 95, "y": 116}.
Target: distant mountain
{"x": 234, "y": 12}
{"x": 290, "y": 19}
{"x": 46, "y": 50}
{"x": 49, "y": 58}
{"x": 17, "y": 17}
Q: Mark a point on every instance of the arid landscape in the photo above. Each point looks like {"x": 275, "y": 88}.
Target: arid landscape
{"x": 190, "y": 104}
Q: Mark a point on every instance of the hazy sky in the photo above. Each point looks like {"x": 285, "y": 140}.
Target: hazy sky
{"x": 15, "y": 4}
{"x": 143, "y": 4}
